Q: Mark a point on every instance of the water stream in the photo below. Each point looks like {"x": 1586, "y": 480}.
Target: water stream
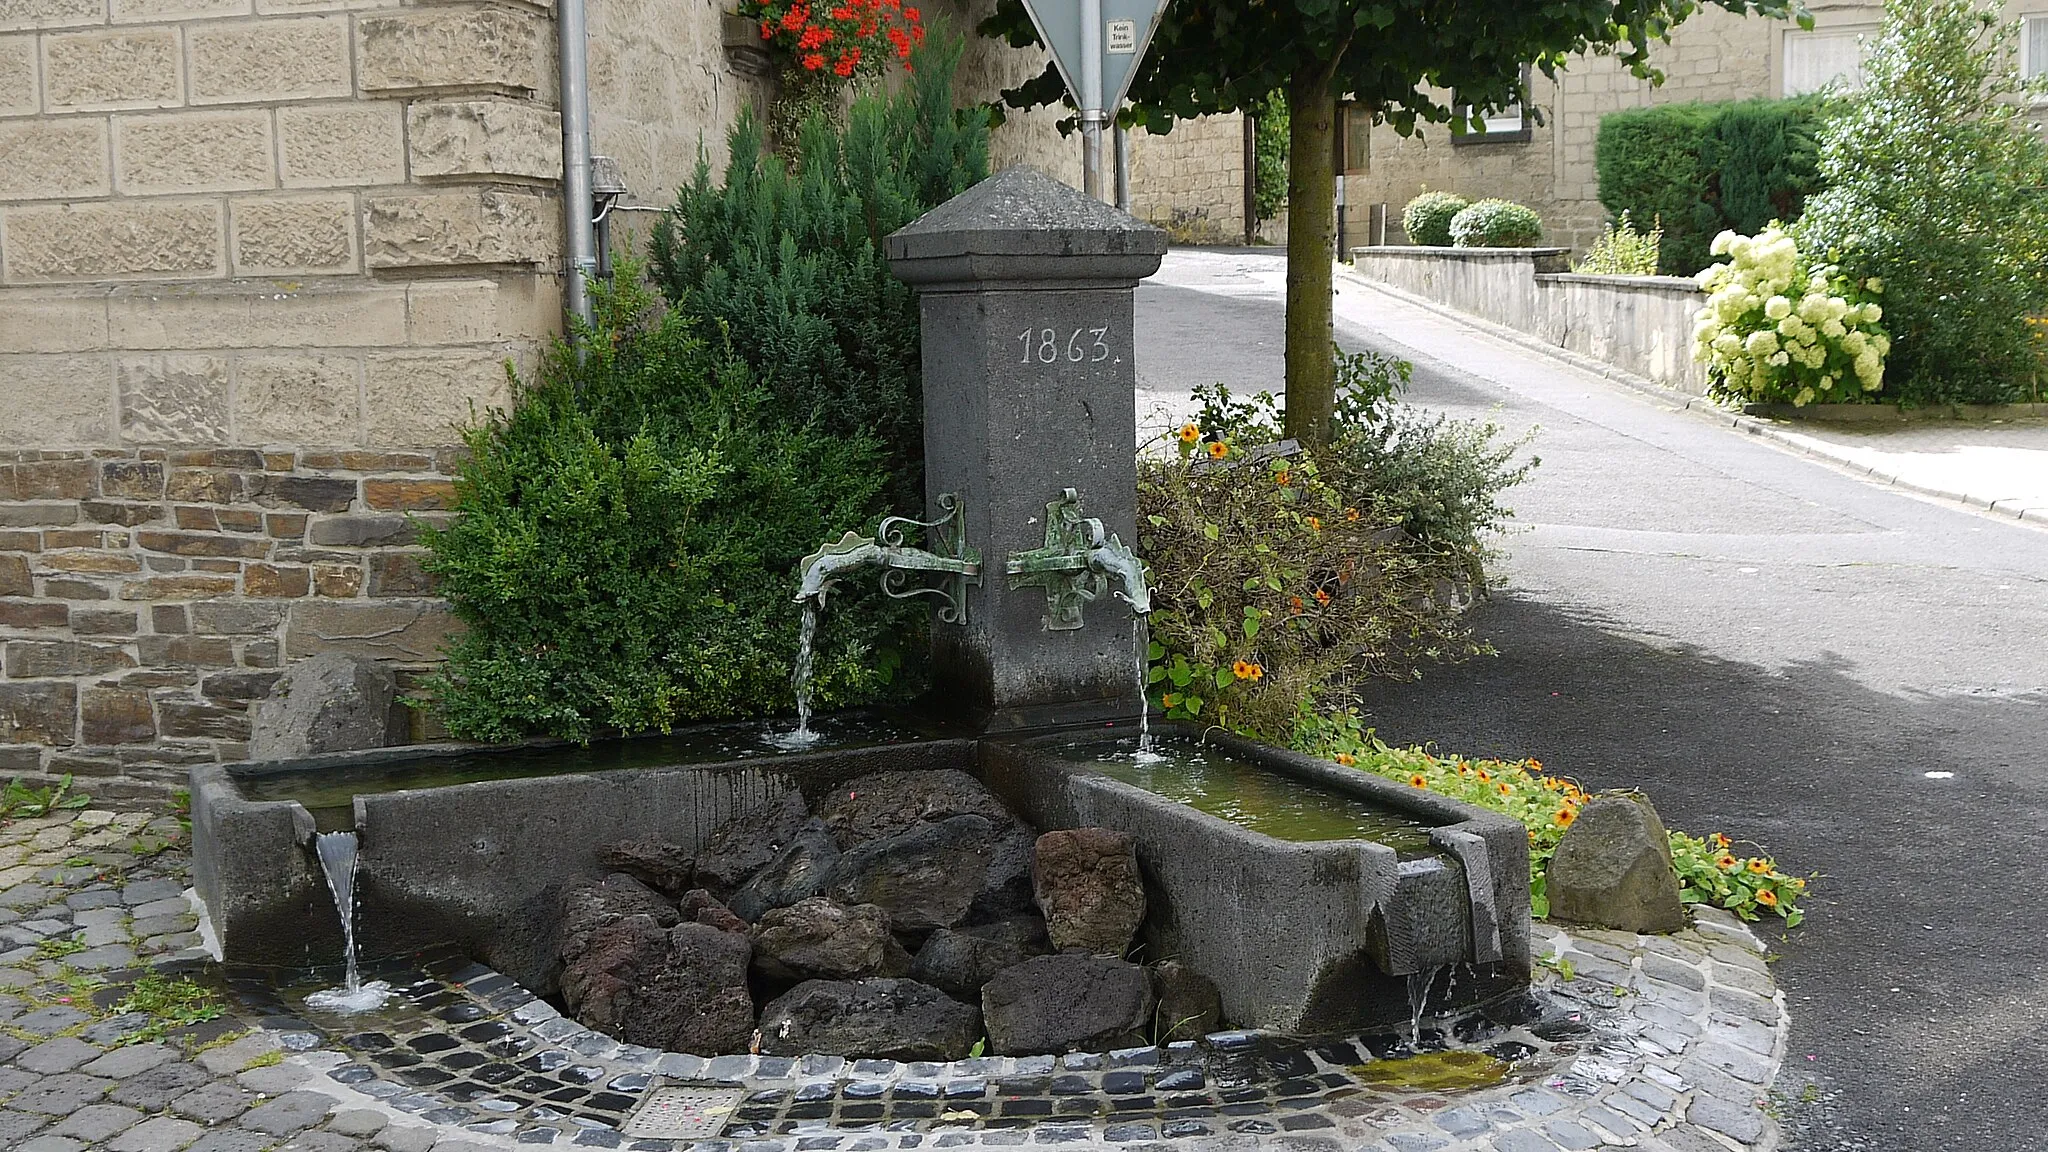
{"x": 337, "y": 852}
{"x": 800, "y": 680}
{"x": 1418, "y": 1003}
{"x": 1146, "y": 753}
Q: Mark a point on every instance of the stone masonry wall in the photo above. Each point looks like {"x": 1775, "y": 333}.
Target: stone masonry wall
{"x": 258, "y": 260}
{"x": 148, "y": 596}
{"x": 1190, "y": 181}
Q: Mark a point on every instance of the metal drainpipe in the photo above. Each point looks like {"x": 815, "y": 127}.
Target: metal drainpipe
{"x": 579, "y": 243}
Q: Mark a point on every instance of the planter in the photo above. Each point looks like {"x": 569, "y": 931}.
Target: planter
{"x": 741, "y": 38}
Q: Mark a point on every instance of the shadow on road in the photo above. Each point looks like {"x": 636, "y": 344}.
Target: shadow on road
{"x": 1917, "y": 987}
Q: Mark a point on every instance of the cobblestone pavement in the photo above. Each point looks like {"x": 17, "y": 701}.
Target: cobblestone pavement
{"x": 1659, "y": 1043}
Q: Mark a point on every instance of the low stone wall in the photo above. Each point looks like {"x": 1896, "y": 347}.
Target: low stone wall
{"x": 1639, "y": 324}
{"x": 149, "y": 595}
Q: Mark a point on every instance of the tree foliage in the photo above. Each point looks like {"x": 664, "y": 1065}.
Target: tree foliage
{"x": 1407, "y": 61}
{"x": 1935, "y": 187}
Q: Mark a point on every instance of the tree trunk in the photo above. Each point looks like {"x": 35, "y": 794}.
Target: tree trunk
{"x": 1311, "y": 224}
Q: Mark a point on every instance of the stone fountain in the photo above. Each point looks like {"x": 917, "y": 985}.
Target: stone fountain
{"x": 1026, "y": 292}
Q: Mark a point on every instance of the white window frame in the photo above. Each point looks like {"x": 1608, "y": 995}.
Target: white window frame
{"x": 1501, "y": 127}
{"x": 1791, "y": 36}
{"x": 2029, "y": 67}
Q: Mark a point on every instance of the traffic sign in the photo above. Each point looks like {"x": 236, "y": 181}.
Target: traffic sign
{"x": 1115, "y": 33}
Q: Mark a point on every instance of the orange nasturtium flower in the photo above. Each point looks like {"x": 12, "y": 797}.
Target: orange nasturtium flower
{"x": 1280, "y": 477}
{"x": 1346, "y": 759}
{"x": 1242, "y": 669}
{"x": 1565, "y": 816}
{"x": 1505, "y": 788}
{"x": 1315, "y": 523}
{"x": 1258, "y": 671}
{"x": 1418, "y": 780}
{"x": 1759, "y": 866}
{"x": 1322, "y": 595}
{"x": 1218, "y": 450}
{"x": 1767, "y": 898}
{"x": 1189, "y": 433}
{"x": 1727, "y": 863}
{"x": 1720, "y": 840}
{"x": 1351, "y": 514}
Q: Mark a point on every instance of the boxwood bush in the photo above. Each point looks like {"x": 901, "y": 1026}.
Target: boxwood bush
{"x": 1496, "y": 224}
{"x": 1427, "y": 218}
{"x": 1702, "y": 169}
{"x": 625, "y": 556}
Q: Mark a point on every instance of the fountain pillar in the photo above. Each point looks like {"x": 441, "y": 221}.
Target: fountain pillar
{"x": 1025, "y": 290}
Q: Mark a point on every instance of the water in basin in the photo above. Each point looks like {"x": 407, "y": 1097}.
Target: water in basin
{"x": 330, "y": 791}
{"x": 1251, "y": 795}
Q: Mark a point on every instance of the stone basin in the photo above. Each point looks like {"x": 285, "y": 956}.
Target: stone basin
{"x": 471, "y": 848}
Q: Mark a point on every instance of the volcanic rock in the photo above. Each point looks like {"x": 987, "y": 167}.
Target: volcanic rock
{"x": 1187, "y": 1005}
{"x": 934, "y": 875}
{"x": 660, "y": 865}
{"x": 701, "y": 907}
{"x": 881, "y": 1019}
{"x": 817, "y": 939}
{"x": 590, "y": 906}
{"x": 800, "y": 869}
{"x": 959, "y": 961}
{"x": 885, "y": 804}
{"x": 744, "y": 844}
{"x": 1613, "y": 869}
{"x": 1087, "y": 884}
{"x": 1066, "y": 1003}
{"x": 684, "y": 990}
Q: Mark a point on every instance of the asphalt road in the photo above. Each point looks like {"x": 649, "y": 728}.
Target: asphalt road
{"x": 1768, "y": 647}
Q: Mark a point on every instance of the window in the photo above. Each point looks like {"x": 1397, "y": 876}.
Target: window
{"x": 1508, "y": 124}
{"x": 1813, "y": 60}
{"x": 2033, "y": 46}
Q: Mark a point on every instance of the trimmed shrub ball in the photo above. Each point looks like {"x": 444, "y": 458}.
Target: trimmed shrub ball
{"x": 1496, "y": 224}
{"x": 1427, "y": 218}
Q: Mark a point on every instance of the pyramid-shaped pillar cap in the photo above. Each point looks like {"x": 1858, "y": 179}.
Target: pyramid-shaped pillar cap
{"x": 1022, "y": 228}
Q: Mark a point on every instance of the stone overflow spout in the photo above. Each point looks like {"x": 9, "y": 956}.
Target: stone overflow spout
{"x": 1025, "y": 291}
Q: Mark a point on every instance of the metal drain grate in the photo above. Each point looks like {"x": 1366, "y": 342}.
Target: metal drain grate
{"x": 683, "y": 1112}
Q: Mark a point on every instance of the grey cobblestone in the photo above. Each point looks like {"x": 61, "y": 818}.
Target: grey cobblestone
{"x": 153, "y": 1089}
{"x": 61, "y": 1095}
{"x": 289, "y": 1113}
{"x": 59, "y": 1055}
{"x": 133, "y": 1060}
{"x": 213, "y": 1103}
{"x": 96, "y": 1122}
{"x": 159, "y": 1134}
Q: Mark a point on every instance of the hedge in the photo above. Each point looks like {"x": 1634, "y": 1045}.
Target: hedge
{"x": 1702, "y": 168}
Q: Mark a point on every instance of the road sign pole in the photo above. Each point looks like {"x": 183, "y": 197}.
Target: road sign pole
{"x": 1091, "y": 98}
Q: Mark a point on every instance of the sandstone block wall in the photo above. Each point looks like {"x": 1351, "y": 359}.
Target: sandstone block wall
{"x": 259, "y": 260}
{"x": 1190, "y": 181}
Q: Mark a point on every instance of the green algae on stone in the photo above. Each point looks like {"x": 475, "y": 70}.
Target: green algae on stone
{"x": 1450, "y": 1071}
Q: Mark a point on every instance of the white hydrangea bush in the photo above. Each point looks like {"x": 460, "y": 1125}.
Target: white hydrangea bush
{"x": 1778, "y": 328}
